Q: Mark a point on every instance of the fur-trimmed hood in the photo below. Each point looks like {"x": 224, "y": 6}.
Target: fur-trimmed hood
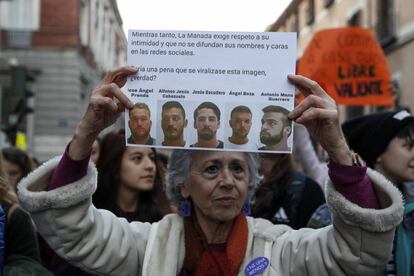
{"x": 33, "y": 195}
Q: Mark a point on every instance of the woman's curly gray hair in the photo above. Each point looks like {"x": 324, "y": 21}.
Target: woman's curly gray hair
{"x": 179, "y": 165}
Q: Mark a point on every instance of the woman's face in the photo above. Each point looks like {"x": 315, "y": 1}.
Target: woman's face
{"x": 12, "y": 173}
{"x": 138, "y": 168}
{"x": 397, "y": 162}
{"x": 217, "y": 184}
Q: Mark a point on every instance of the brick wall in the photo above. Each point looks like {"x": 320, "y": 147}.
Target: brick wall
{"x": 59, "y": 24}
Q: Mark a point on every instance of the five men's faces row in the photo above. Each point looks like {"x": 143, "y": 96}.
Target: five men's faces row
{"x": 173, "y": 124}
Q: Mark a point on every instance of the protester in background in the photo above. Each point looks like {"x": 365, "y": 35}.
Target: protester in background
{"x": 385, "y": 141}
{"x": 21, "y": 250}
{"x": 215, "y": 237}
{"x": 16, "y": 164}
{"x": 285, "y": 196}
{"x": 96, "y": 150}
{"x": 129, "y": 181}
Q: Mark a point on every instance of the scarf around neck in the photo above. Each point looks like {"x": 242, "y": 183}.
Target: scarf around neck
{"x": 204, "y": 259}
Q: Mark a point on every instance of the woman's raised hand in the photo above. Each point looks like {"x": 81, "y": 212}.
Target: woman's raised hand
{"x": 106, "y": 104}
{"x": 319, "y": 113}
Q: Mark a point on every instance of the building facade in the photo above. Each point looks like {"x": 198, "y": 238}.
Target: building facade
{"x": 391, "y": 20}
{"x": 69, "y": 45}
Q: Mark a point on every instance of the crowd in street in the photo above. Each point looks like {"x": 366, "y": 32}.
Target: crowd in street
{"x": 104, "y": 208}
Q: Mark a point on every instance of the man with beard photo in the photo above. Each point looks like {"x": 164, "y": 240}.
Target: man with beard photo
{"x": 173, "y": 122}
{"x": 140, "y": 125}
{"x": 207, "y": 122}
{"x": 240, "y": 123}
{"x": 276, "y": 128}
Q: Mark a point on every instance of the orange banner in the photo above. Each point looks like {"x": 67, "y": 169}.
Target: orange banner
{"x": 350, "y": 65}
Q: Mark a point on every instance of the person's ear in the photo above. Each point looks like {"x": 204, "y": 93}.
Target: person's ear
{"x": 185, "y": 123}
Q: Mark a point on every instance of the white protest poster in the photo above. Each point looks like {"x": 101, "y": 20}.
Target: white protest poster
{"x": 211, "y": 90}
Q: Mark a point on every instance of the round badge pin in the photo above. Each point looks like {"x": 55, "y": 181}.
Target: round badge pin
{"x": 257, "y": 266}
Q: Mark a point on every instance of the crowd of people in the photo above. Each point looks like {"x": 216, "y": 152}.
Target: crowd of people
{"x": 104, "y": 208}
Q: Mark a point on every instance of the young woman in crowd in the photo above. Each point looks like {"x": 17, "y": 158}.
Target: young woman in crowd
{"x": 212, "y": 236}
{"x": 16, "y": 164}
{"x": 130, "y": 181}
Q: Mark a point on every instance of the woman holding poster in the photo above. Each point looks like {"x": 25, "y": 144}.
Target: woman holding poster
{"x": 212, "y": 235}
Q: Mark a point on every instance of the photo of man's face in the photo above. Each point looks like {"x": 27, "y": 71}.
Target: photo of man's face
{"x": 241, "y": 123}
{"x": 173, "y": 123}
{"x": 206, "y": 124}
{"x": 272, "y": 128}
{"x": 139, "y": 123}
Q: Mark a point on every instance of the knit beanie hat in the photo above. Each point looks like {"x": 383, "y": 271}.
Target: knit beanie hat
{"x": 370, "y": 135}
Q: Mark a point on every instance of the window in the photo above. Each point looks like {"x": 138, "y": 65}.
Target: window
{"x": 356, "y": 19}
{"x": 386, "y": 22}
{"x": 19, "y": 39}
{"x": 310, "y": 13}
{"x": 21, "y": 15}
